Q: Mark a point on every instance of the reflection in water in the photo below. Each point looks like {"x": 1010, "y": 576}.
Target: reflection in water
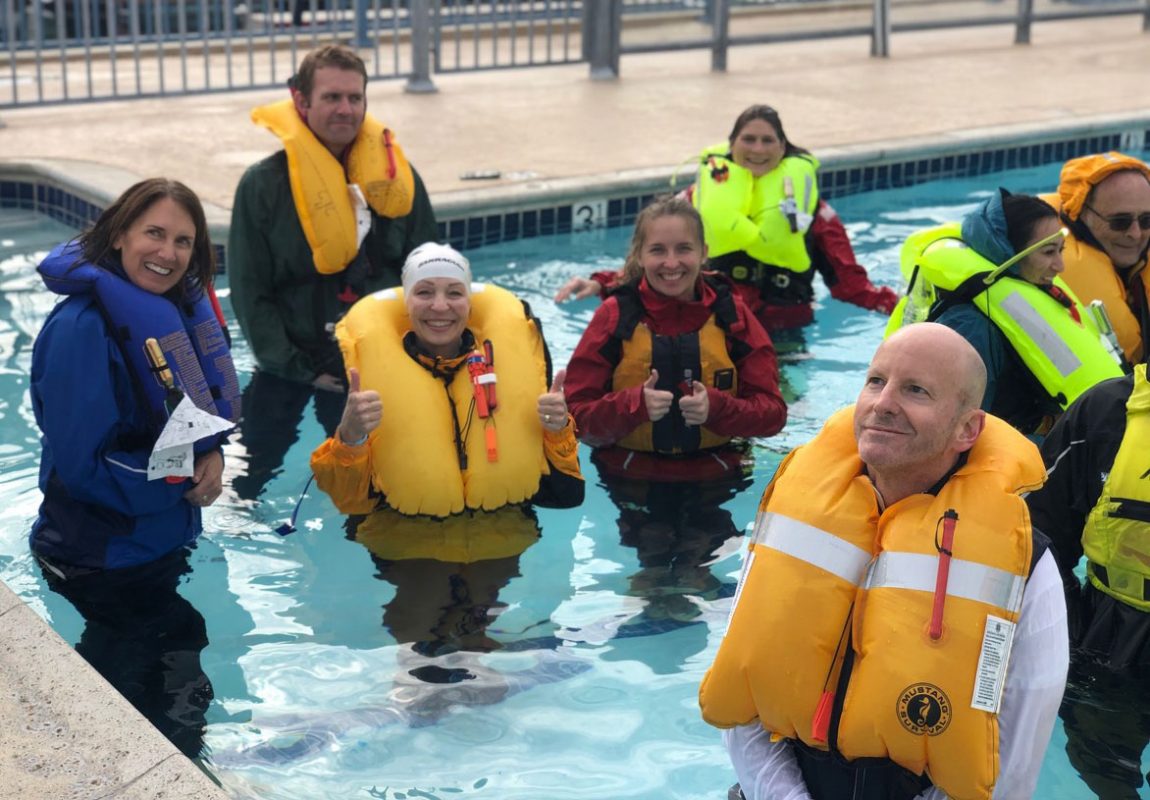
{"x": 273, "y": 408}
{"x": 146, "y": 640}
{"x": 1107, "y": 721}
{"x": 678, "y": 526}
{"x": 447, "y": 576}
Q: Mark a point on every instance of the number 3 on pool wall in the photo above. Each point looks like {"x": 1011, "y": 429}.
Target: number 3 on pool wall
{"x": 589, "y": 214}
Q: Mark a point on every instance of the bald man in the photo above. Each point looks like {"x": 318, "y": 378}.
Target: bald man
{"x": 1105, "y": 202}
{"x": 892, "y": 579}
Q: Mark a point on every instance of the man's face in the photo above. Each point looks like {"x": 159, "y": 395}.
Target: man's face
{"x": 336, "y": 107}
{"x": 906, "y": 419}
{"x": 1120, "y": 198}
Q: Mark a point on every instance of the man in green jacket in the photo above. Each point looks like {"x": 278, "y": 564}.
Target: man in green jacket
{"x": 287, "y": 290}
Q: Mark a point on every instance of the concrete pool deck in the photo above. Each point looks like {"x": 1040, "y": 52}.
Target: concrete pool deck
{"x": 542, "y": 127}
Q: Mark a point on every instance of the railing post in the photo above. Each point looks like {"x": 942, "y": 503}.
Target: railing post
{"x": 605, "y": 24}
{"x": 1146, "y": 18}
{"x": 880, "y": 38}
{"x": 360, "y": 37}
{"x": 1022, "y": 26}
{"x": 720, "y": 33}
{"x": 419, "y": 81}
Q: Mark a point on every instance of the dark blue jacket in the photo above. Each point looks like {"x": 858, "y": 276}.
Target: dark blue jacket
{"x": 99, "y": 510}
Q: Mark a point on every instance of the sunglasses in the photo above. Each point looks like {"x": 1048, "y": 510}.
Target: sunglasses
{"x": 1122, "y": 222}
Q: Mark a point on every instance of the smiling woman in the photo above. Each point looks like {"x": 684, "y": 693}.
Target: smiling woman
{"x": 112, "y": 535}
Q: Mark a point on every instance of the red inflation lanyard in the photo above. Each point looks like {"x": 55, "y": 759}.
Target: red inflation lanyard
{"x": 483, "y": 380}
{"x": 945, "y": 552}
{"x": 392, "y": 170}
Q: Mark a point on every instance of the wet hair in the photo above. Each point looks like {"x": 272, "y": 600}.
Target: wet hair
{"x": 1023, "y": 212}
{"x": 331, "y": 55}
{"x": 97, "y": 246}
{"x": 771, "y": 117}
{"x": 664, "y": 206}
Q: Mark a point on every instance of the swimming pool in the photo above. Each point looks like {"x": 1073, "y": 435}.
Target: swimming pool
{"x": 588, "y": 646}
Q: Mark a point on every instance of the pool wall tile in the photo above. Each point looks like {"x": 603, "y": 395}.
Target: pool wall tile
{"x": 835, "y": 180}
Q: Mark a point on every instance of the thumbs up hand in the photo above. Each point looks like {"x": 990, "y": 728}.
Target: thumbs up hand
{"x": 658, "y": 401}
{"x": 361, "y": 414}
{"x": 553, "y": 405}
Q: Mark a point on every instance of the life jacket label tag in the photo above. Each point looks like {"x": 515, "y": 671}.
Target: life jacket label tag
{"x": 997, "y": 638}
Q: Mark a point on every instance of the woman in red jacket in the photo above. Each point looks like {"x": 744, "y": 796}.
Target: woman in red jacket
{"x": 673, "y": 363}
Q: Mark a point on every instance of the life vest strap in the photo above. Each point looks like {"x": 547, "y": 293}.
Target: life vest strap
{"x": 968, "y": 580}
{"x": 812, "y": 545}
{"x": 1119, "y": 580}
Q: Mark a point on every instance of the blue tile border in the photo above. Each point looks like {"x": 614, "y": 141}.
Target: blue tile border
{"x": 492, "y": 227}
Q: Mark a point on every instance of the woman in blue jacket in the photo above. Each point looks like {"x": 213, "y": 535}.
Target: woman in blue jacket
{"x": 136, "y": 329}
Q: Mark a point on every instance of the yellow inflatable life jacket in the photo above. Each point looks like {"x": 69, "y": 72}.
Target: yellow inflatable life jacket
{"x": 728, "y": 196}
{"x": 827, "y": 571}
{"x": 1115, "y": 536}
{"x": 319, "y": 186}
{"x": 1062, "y": 347}
{"x": 414, "y": 458}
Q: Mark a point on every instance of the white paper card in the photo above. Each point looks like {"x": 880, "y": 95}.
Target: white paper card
{"x": 173, "y": 453}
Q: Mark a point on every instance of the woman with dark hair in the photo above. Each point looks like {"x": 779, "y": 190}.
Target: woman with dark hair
{"x": 135, "y": 333}
{"x": 767, "y": 228}
{"x": 1002, "y": 293}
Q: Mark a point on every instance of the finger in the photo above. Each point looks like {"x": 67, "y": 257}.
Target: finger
{"x": 698, "y": 388}
{"x": 557, "y": 381}
{"x": 352, "y": 380}
{"x": 652, "y": 379}
{"x": 562, "y": 295}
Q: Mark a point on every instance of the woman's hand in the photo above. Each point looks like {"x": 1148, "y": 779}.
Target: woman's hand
{"x": 553, "y": 405}
{"x": 361, "y": 414}
{"x": 207, "y": 479}
{"x": 696, "y": 406}
{"x": 579, "y": 289}
{"x": 658, "y": 402}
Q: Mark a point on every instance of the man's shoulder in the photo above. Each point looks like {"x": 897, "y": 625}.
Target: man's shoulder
{"x": 271, "y": 166}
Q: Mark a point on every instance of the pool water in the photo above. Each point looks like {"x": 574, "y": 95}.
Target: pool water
{"x": 584, "y": 651}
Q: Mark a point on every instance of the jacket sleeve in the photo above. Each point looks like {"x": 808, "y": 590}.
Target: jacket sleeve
{"x": 85, "y": 405}
{"x": 834, "y": 258}
{"x": 602, "y": 416}
{"x": 344, "y": 473}
{"x": 562, "y": 486}
{"x": 421, "y": 224}
{"x": 1078, "y": 451}
{"x": 250, "y": 264}
{"x": 757, "y": 409}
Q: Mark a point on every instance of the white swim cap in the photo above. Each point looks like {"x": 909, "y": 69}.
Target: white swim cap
{"x": 432, "y": 260}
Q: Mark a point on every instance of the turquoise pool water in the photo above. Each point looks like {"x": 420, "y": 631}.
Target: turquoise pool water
{"x": 588, "y": 647}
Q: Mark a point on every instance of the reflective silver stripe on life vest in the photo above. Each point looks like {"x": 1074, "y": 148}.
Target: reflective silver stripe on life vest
{"x": 812, "y": 545}
{"x": 968, "y": 579}
{"x": 808, "y": 190}
{"x": 1035, "y": 326}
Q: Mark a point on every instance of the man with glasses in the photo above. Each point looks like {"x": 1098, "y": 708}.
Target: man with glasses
{"x": 1105, "y": 202}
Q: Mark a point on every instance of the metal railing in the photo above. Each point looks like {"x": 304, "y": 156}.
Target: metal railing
{"x": 61, "y": 51}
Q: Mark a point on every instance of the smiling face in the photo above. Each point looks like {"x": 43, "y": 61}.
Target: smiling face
{"x": 672, "y": 254}
{"x": 156, "y": 248}
{"x": 757, "y": 147}
{"x": 914, "y": 414}
{"x": 1125, "y": 192}
{"x": 335, "y": 108}
{"x": 1045, "y": 263}
{"x": 439, "y": 309}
